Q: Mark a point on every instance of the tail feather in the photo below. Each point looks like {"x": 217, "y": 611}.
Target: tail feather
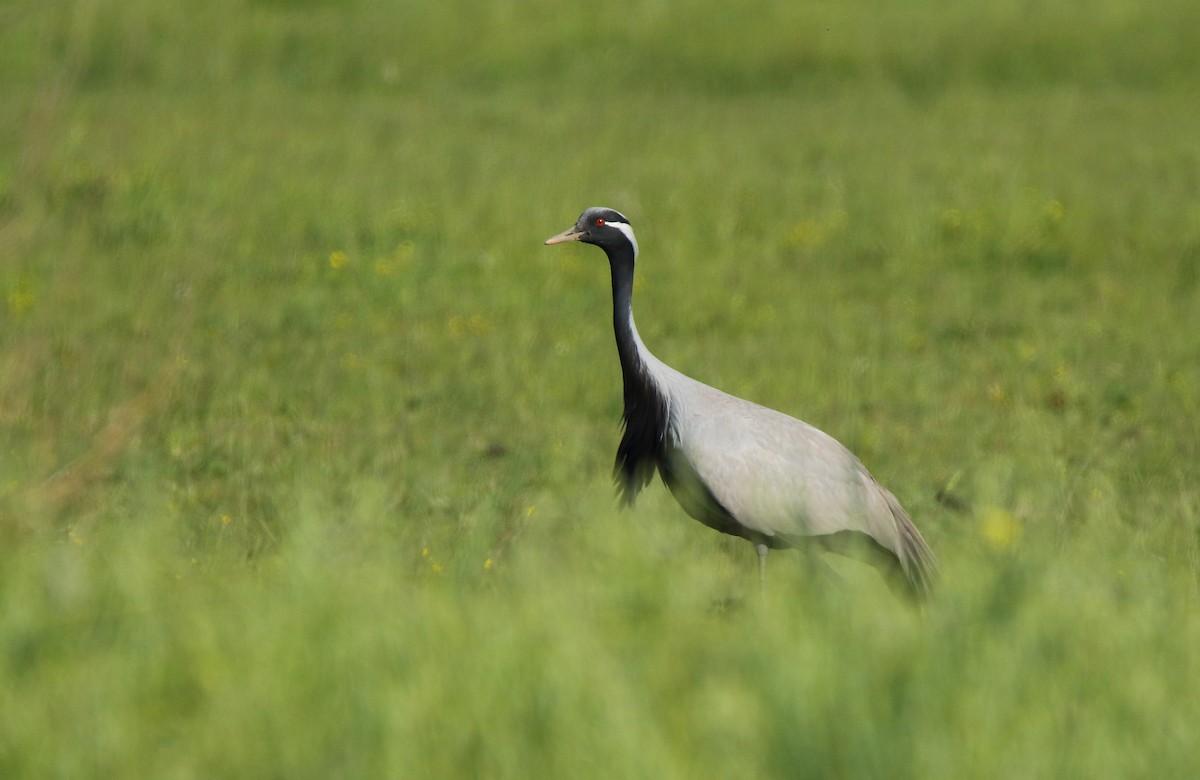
{"x": 916, "y": 559}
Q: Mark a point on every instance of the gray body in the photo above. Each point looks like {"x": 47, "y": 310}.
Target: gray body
{"x": 736, "y": 466}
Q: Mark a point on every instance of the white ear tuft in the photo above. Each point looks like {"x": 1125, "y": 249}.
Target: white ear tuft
{"x": 627, "y": 229}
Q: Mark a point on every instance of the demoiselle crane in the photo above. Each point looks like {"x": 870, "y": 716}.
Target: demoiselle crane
{"x": 740, "y": 468}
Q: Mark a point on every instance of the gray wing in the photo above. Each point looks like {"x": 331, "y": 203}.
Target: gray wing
{"x": 781, "y": 477}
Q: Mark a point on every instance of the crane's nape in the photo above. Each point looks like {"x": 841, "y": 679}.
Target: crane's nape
{"x": 735, "y": 466}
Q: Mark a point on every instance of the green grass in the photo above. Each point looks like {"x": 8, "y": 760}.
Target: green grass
{"x": 307, "y": 438}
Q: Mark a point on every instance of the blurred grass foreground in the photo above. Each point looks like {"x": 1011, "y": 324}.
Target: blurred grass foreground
{"x": 306, "y": 442}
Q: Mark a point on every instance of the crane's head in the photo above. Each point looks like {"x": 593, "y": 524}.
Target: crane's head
{"x": 603, "y": 227}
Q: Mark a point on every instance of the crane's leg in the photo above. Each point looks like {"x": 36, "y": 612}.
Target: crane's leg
{"x": 761, "y": 549}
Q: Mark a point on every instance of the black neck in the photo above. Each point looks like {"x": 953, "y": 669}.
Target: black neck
{"x": 621, "y": 263}
{"x": 646, "y": 413}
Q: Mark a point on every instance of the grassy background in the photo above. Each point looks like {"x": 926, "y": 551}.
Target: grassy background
{"x": 307, "y": 438}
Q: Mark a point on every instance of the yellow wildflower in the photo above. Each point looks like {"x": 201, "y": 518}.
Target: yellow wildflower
{"x": 404, "y": 252}
{"x": 999, "y": 528}
{"x": 952, "y": 220}
{"x": 20, "y": 302}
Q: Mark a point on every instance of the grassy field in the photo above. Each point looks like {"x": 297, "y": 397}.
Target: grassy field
{"x": 307, "y": 439}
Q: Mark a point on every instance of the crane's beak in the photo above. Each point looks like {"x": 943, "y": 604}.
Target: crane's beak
{"x": 570, "y": 234}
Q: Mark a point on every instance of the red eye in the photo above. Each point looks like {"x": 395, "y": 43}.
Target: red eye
{"x": 599, "y": 221}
